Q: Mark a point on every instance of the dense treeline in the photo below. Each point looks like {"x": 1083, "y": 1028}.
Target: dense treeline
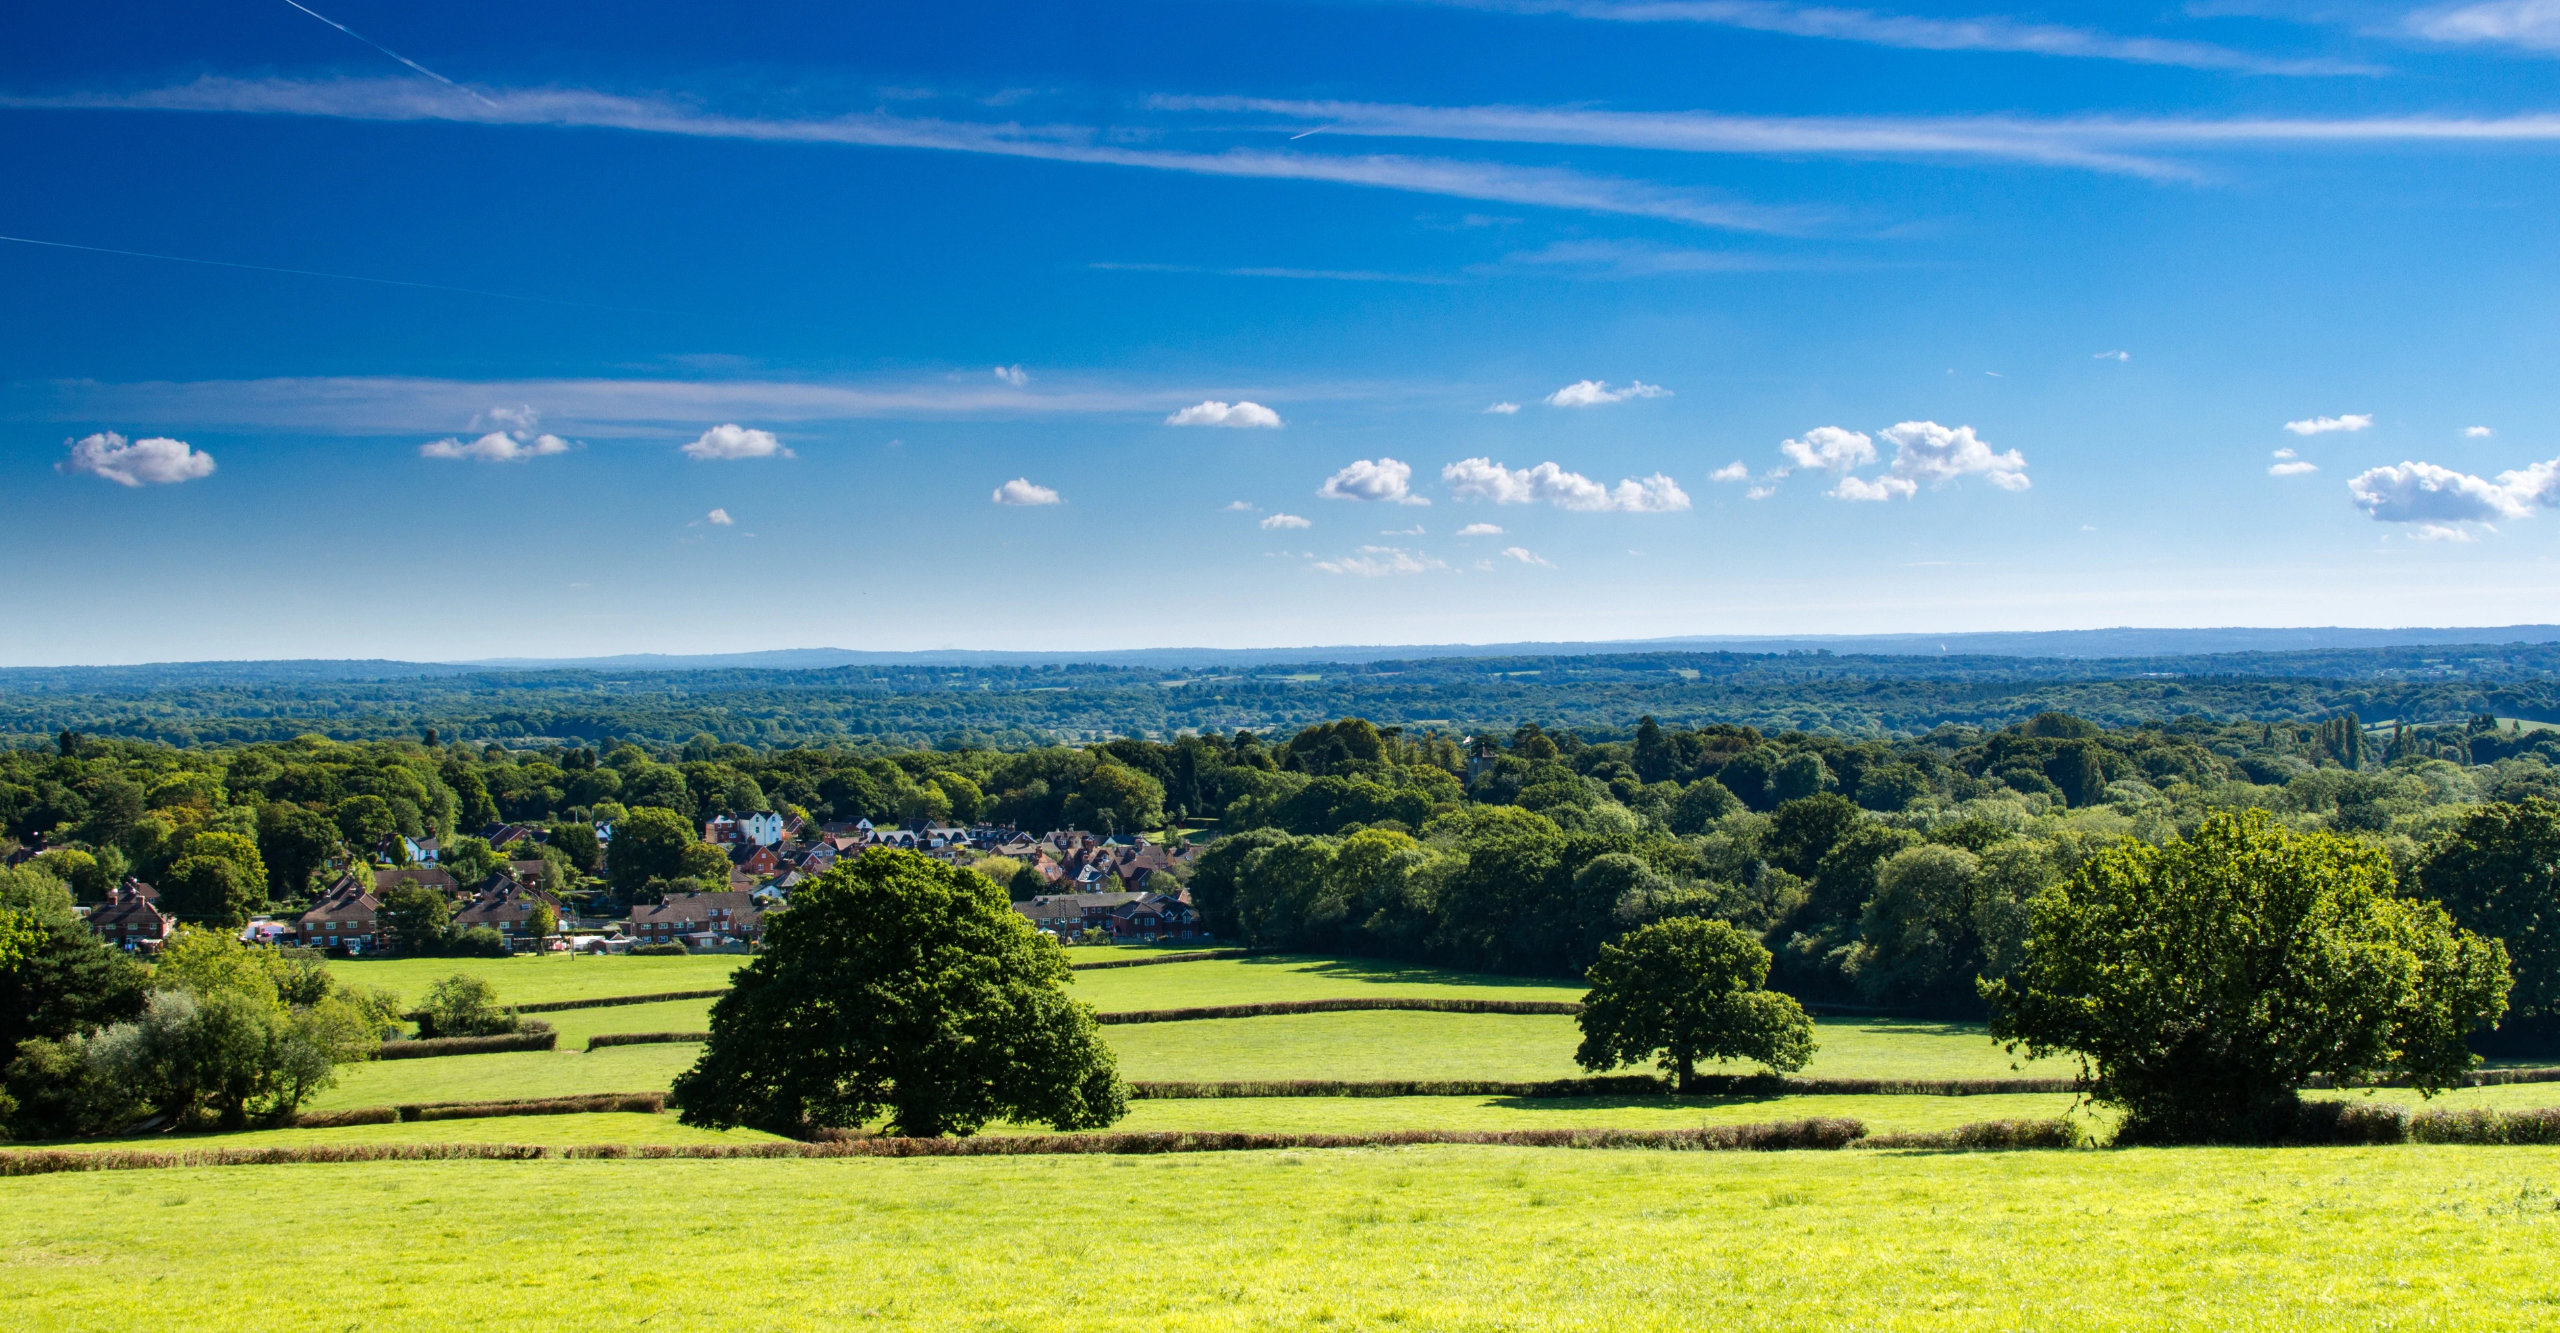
{"x": 893, "y": 707}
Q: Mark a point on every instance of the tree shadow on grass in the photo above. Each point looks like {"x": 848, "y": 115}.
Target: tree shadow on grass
{"x": 1376, "y": 972}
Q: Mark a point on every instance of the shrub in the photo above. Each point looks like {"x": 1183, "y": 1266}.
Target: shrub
{"x": 1986, "y": 1135}
{"x": 604, "y": 1039}
{"x": 535, "y": 1036}
{"x": 463, "y": 1005}
{"x": 669, "y": 949}
{"x": 2486, "y": 1127}
{"x": 480, "y": 942}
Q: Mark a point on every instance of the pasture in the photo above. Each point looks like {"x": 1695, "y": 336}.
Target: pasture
{"x": 1437, "y": 1237}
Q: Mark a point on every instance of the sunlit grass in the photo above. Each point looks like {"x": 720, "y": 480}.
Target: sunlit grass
{"x": 1424, "y": 1238}
{"x": 540, "y": 978}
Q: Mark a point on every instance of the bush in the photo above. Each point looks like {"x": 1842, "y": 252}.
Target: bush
{"x": 604, "y": 1039}
{"x": 480, "y": 942}
{"x": 2486, "y": 1127}
{"x": 463, "y": 1005}
{"x": 670, "y": 949}
{"x": 536, "y": 1036}
{"x": 1986, "y": 1135}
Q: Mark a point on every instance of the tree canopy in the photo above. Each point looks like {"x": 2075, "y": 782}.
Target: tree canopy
{"x": 2205, "y": 981}
{"x": 898, "y": 985}
{"x": 1686, "y": 991}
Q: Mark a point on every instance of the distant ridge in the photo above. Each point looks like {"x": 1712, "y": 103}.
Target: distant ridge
{"x": 2095, "y": 643}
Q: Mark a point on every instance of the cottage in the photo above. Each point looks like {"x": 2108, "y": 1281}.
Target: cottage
{"x": 434, "y": 877}
{"x": 344, "y": 918}
{"x": 733, "y": 915}
{"x": 131, "y": 918}
{"x": 1156, "y": 916}
{"x": 509, "y": 908}
{"x": 762, "y": 829}
{"x": 1067, "y": 915}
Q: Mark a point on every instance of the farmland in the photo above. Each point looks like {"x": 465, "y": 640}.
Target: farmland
{"x": 1440, "y": 1237}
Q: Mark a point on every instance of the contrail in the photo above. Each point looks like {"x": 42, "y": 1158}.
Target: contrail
{"x": 1292, "y": 138}
{"x": 342, "y": 277}
{"x": 391, "y": 53}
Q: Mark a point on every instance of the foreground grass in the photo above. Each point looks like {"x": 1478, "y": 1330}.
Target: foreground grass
{"x": 1437, "y": 1237}
{"x": 541, "y": 978}
{"x": 556, "y": 1130}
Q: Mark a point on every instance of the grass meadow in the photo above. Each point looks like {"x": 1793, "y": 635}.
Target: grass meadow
{"x": 1438, "y": 1237}
{"x": 542, "y": 978}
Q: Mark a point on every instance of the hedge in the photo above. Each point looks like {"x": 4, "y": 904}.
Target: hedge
{"x": 648, "y": 1102}
{"x": 513, "y": 1041}
{"x": 1196, "y": 956}
{"x": 1341, "y": 1006}
{"x": 1606, "y": 1085}
{"x": 1985, "y": 1136}
{"x": 1820, "y": 1134}
{"x": 602, "y": 1039}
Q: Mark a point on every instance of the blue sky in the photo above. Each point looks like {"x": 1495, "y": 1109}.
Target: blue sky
{"x": 476, "y": 330}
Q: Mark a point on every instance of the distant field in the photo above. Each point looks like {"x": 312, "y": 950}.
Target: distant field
{"x": 540, "y": 978}
{"x": 1423, "y": 1238}
{"x": 457, "y": 1078}
{"x": 1393, "y": 1044}
{"x": 1298, "y": 977}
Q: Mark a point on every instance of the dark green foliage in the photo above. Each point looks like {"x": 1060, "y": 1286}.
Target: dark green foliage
{"x": 479, "y": 942}
{"x": 1686, "y": 991}
{"x": 464, "y": 1005}
{"x": 211, "y": 891}
{"x": 2204, "y": 982}
{"x": 667, "y": 949}
{"x": 415, "y": 918}
{"x": 534, "y": 1037}
{"x": 295, "y": 843}
{"x": 2499, "y": 875}
{"x": 653, "y": 846}
{"x": 902, "y": 986}
{"x": 1804, "y": 830}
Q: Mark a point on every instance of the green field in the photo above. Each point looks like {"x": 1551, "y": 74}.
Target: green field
{"x": 1420, "y": 1238}
{"x": 471, "y": 1078}
{"x": 1295, "y": 977}
{"x": 541, "y": 978}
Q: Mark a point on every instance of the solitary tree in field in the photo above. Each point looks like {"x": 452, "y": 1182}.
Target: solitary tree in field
{"x": 1689, "y": 990}
{"x": 899, "y": 985}
{"x": 2203, "y": 982}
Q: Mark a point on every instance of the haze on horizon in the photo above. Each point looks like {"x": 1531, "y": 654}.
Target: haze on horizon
{"x": 588, "y": 330}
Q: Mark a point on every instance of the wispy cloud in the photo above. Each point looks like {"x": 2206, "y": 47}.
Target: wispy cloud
{"x": 1597, "y": 393}
{"x": 1277, "y": 521}
{"x": 2531, "y": 24}
{"x": 1480, "y": 530}
{"x": 1372, "y": 562}
{"x": 1304, "y": 274}
{"x": 1911, "y": 32}
{"x": 1505, "y": 409}
{"x": 1484, "y": 479}
{"x": 719, "y": 518}
{"x": 1014, "y": 375}
{"x": 408, "y": 100}
{"x": 2349, "y": 423}
{"x": 1527, "y": 557}
{"x": 518, "y": 438}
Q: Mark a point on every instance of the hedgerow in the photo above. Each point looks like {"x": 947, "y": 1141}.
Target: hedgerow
{"x": 1984, "y": 1136}
{"x": 1607, "y": 1085}
{"x": 1196, "y": 956}
{"x": 603, "y": 1039}
{"x": 544, "y": 1040}
{"x": 1437, "y": 1006}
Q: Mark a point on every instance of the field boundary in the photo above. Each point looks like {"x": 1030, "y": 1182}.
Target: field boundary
{"x": 650, "y": 1103}
{"x": 1604, "y": 1085}
{"x": 1271, "y": 1008}
{"x": 435, "y": 1046}
{"x": 1196, "y": 956}
{"x": 1816, "y": 1134}
{"x": 603, "y": 1039}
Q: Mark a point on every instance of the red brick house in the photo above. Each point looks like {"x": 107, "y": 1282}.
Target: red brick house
{"x": 131, "y": 918}
{"x": 508, "y": 908}
{"x": 344, "y": 918}
{"x": 686, "y": 915}
{"x": 1067, "y": 915}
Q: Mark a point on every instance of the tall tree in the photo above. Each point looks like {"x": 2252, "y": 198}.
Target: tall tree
{"x": 2204, "y": 982}
{"x": 904, "y": 987}
{"x": 1688, "y": 990}
{"x": 2499, "y": 874}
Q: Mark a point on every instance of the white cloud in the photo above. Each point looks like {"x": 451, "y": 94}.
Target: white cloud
{"x": 156, "y": 460}
{"x": 1595, "y": 393}
{"x": 1830, "y": 448}
{"x": 1417, "y": 530}
{"x": 2118, "y": 355}
{"x": 1382, "y": 479}
{"x": 1215, "y": 413}
{"x": 1737, "y": 470}
{"x": 1380, "y": 562}
{"x": 1484, "y": 479}
{"x": 1527, "y": 557}
{"x": 2326, "y": 425}
{"x": 2297, "y": 468}
{"x": 1480, "y": 530}
{"x": 1927, "y": 451}
{"x": 719, "y": 518}
{"x": 2284, "y": 453}
{"x": 1286, "y": 521}
{"x": 1241, "y": 507}
{"x": 1759, "y": 492}
{"x": 2438, "y": 532}
{"x": 1022, "y": 491}
{"x": 1882, "y": 488}
{"x": 519, "y": 436}
{"x": 735, "y": 441}
{"x": 2427, "y": 493}
{"x": 2533, "y": 24}
{"x": 1503, "y": 410}
{"x": 2478, "y": 432}
{"x": 1014, "y": 375}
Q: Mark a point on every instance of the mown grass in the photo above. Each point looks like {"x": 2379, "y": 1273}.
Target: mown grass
{"x": 456, "y": 1078}
{"x": 557, "y": 1130}
{"x": 1510, "y": 1046}
{"x": 1298, "y": 977}
{"x": 540, "y": 978}
{"x": 1431, "y": 1237}
{"x": 1354, "y": 1115}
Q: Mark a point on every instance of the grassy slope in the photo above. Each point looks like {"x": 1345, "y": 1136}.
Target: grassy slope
{"x": 1442, "y": 1238}
{"x": 1295, "y": 977}
{"x": 457, "y": 1078}
{"x": 538, "y": 978}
